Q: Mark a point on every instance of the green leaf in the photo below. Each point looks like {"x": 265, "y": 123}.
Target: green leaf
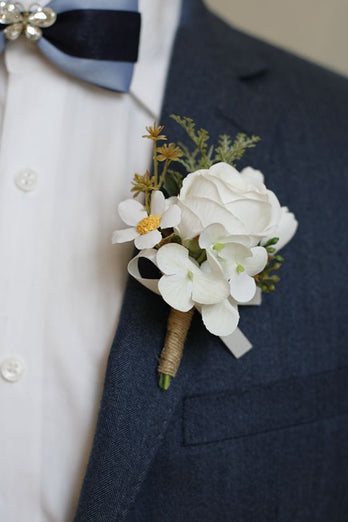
{"x": 198, "y": 253}
{"x": 173, "y": 182}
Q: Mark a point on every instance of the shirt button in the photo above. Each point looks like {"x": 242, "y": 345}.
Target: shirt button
{"x": 12, "y": 369}
{"x": 26, "y": 180}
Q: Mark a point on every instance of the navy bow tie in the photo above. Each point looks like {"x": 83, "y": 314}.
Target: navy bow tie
{"x": 94, "y": 40}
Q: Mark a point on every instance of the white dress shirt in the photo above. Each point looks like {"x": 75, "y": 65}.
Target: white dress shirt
{"x": 68, "y": 152}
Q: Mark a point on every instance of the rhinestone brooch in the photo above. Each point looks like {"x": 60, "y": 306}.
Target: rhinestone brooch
{"x": 28, "y": 22}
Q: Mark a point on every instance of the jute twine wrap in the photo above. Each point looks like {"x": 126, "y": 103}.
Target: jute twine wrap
{"x": 177, "y": 329}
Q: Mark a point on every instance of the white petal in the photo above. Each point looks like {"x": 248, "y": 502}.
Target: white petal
{"x": 189, "y": 182}
{"x": 171, "y": 217}
{"x": 209, "y": 288}
{"x": 226, "y": 192}
{"x": 235, "y": 253}
{"x": 255, "y": 176}
{"x": 212, "y": 265}
{"x": 220, "y": 319}
{"x": 190, "y": 225}
{"x": 203, "y": 186}
{"x": 246, "y": 241}
{"x": 131, "y": 211}
{"x": 287, "y": 228}
{"x": 158, "y": 203}
{"x": 211, "y": 235}
{"x": 255, "y": 215}
{"x": 210, "y": 212}
{"x": 226, "y": 173}
{"x": 242, "y": 287}
{"x": 176, "y": 290}
{"x": 276, "y": 208}
{"x": 210, "y": 284}
{"x": 257, "y": 261}
{"x": 217, "y": 234}
{"x": 124, "y": 235}
{"x": 256, "y": 300}
{"x": 173, "y": 200}
{"x": 174, "y": 259}
{"x": 148, "y": 240}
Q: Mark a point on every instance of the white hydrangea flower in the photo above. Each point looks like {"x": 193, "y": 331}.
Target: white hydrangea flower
{"x": 220, "y": 318}
{"x": 144, "y": 228}
{"x": 184, "y": 284}
{"x": 238, "y": 261}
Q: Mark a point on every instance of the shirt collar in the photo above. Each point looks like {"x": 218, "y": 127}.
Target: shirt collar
{"x": 159, "y": 22}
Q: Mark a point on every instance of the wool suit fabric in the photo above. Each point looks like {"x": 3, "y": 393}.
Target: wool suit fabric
{"x": 263, "y": 438}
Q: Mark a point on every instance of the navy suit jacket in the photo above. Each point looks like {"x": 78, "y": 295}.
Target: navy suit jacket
{"x": 263, "y": 438}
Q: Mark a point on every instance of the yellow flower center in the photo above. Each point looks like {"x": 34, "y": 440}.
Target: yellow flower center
{"x": 148, "y": 224}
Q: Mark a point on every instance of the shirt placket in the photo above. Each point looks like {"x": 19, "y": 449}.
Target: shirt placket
{"x": 29, "y": 147}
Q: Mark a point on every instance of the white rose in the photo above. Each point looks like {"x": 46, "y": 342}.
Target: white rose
{"x": 285, "y": 229}
{"x": 237, "y": 200}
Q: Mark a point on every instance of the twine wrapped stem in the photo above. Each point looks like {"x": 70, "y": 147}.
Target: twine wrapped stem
{"x": 177, "y": 329}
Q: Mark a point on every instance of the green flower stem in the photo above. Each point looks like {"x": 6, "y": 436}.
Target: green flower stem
{"x": 164, "y": 381}
{"x": 155, "y": 162}
{"x": 148, "y": 202}
{"x": 164, "y": 173}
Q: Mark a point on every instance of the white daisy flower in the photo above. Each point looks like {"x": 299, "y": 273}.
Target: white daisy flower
{"x": 144, "y": 228}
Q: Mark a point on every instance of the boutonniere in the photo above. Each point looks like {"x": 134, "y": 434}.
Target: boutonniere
{"x": 214, "y": 234}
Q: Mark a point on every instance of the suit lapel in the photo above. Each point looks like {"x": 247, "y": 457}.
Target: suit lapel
{"x": 134, "y": 412}
{"x": 220, "y": 78}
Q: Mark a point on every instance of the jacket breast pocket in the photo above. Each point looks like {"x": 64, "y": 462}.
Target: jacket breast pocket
{"x": 261, "y": 409}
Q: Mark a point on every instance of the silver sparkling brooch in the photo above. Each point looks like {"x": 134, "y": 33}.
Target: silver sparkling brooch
{"x": 28, "y": 22}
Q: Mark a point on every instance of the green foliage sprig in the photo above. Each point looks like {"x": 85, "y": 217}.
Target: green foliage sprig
{"x": 203, "y": 155}
{"x": 267, "y": 279}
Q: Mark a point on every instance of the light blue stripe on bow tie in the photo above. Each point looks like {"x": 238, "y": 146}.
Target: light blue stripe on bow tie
{"x": 60, "y": 6}
{"x": 116, "y": 76}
